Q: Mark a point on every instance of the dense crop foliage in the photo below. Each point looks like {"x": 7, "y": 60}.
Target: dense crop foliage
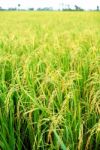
{"x": 49, "y": 80}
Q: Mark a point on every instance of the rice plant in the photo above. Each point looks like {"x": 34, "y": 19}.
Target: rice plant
{"x": 49, "y": 80}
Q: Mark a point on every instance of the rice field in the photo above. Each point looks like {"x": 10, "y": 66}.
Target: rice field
{"x": 49, "y": 80}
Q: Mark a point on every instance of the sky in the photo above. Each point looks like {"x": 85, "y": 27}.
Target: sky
{"x": 56, "y": 4}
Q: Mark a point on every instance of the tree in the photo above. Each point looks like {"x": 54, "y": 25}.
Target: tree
{"x": 19, "y": 6}
{"x": 97, "y": 8}
{"x": 78, "y": 8}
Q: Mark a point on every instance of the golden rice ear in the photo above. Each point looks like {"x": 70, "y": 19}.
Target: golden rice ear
{"x": 92, "y": 132}
{"x": 80, "y": 143}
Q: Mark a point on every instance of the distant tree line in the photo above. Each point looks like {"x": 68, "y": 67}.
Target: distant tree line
{"x": 76, "y": 8}
{"x": 45, "y": 9}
